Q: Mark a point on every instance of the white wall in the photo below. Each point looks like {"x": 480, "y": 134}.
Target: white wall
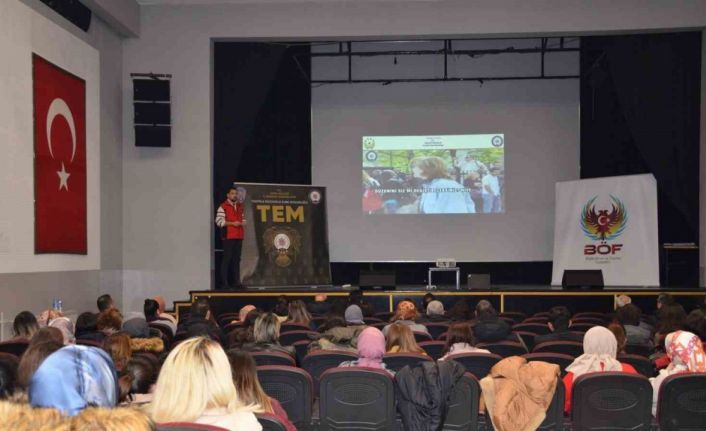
{"x": 168, "y": 210}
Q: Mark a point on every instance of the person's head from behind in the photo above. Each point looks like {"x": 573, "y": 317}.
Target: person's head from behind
{"x": 406, "y": 310}
{"x": 74, "y": 378}
{"x": 8, "y": 379}
{"x": 66, "y": 327}
{"x": 33, "y": 358}
{"x": 485, "y": 310}
{"x": 246, "y": 383}
{"x": 628, "y": 314}
{"x": 620, "y": 337}
{"x": 671, "y": 317}
{"x": 201, "y": 310}
{"x": 321, "y": 297}
{"x": 118, "y": 347}
{"x": 104, "y": 302}
{"x": 281, "y": 306}
{"x": 664, "y": 299}
{"x": 622, "y": 300}
{"x": 195, "y": 377}
{"x": 109, "y": 321}
{"x": 355, "y": 297}
{"x": 402, "y": 337}
{"x": 435, "y": 308}
{"x": 428, "y": 168}
{"x": 85, "y": 323}
{"x": 47, "y": 334}
{"x": 696, "y": 323}
{"x": 151, "y": 309}
{"x": 354, "y": 315}
{"x": 460, "y": 310}
{"x": 118, "y": 419}
{"x": 266, "y": 329}
{"x": 459, "y": 333}
{"x": 142, "y": 375}
{"x": 685, "y": 352}
{"x": 559, "y": 319}
{"x": 243, "y": 313}
{"x": 371, "y": 347}
{"x": 298, "y": 312}
{"x": 427, "y": 299}
{"x": 25, "y": 325}
{"x": 332, "y": 321}
{"x": 600, "y": 341}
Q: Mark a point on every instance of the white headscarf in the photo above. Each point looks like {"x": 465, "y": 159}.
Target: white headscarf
{"x": 599, "y": 350}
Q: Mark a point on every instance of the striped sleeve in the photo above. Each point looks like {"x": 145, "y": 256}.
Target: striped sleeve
{"x": 220, "y": 217}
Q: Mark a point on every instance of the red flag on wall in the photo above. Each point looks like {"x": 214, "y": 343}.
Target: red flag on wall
{"x": 59, "y": 160}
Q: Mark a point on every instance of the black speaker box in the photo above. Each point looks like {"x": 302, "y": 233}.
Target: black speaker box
{"x": 73, "y": 10}
{"x": 582, "y": 279}
{"x": 152, "y": 116}
{"x": 376, "y": 280}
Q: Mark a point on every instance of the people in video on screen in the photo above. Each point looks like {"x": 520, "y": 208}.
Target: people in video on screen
{"x": 441, "y": 194}
{"x": 491, "y": 191}
{"x": 266, "y": 336}
{"x": 390, "y": 199}
{"x": 559, "y": 322}
{"x": 489, "y": 327}
{"x": 470, "y": 165}
{"x": 473, "y": 182}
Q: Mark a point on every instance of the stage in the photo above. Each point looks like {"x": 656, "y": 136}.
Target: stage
{"x": 525, "y": 298}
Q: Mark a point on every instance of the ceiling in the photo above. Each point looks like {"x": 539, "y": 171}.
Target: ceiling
{"x": 207, "y": 2}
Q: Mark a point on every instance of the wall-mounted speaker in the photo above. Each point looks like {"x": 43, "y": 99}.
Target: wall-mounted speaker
{"x": 153, "y": 113}
{"x": 73, "y": 10}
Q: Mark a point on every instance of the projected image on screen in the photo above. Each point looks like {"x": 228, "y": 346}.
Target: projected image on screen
{"x": 443, "y": 174}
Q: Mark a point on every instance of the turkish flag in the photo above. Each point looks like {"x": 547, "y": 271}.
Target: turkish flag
{"x": 59, "y": 160}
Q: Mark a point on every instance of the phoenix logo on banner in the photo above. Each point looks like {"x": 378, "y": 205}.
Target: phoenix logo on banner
{"x": 603, "y": 225}
{"x": 60, "y": 159}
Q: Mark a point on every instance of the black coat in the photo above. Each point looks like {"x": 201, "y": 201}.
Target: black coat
{"x": 423, "y": 392}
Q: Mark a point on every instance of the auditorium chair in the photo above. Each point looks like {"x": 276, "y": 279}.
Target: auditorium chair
{"x": 435, "y": 349}
{"x": 397, "y": 361}
{"x": 478, "y": 364}
{"x": 611, "y": 401}
{"x": 179, "y": 337}
{"x": 581, "y": 327}
{"x": 571, "y": 348}
{"x": 16, "y": 348}
{"x": 595, "y": 321}
{"x": 640, "y": 363}
{"x": 301, "y": 349}
{"x": 293, "y": 388}
{"x": 593, "y": 314}
{"x": 372, "y": 320}
{"x": 436, "y": 329}
{"x": 536, "y": 319}
{"x": 554, "y": 419}
{"x": 442, "y": 337}
{"x": 526, "y": 337}
{"x": 542, "y": 314}
{"x": 317, "y": 362}
{"x": 318, "y": 321}
{"x": 509, "y": 320}
{"x": 504, "y": 348}
{"x": 379, "y": 325}
{"x": 291, "y": 337}
{"x": 226, "y": 318}
{"x": 421, "y": 336}
{"x": 92, "y": 343}
{"x": 187, "y": 426}
{"x": 232, "y": 327}
{"x": 273, "y": 358}
{"x": 357, "y": 399}
{"x": 514, "y": 315}
{"x": 164, "y": 329}
{"x": 462, "y": 413}
{"x": 289, "y": 327}
{"x": 535, "y": 328}
{"x": 270, "y": 422}
{"x": 681, "y": 405}
{"x": 559, "y": 359}
{"x": 384, "y": 316}
{"x": 638, "y": 349}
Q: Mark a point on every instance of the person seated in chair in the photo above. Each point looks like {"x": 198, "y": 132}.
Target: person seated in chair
{"x": 636, "y": 332}
{"x": 266, "y": 336}
{"x": 201, "y": 323}
{"x": 489, "y": 327}
{"x": 460, "y": 340}
{"x": 559, "y": 323}
{"x": 435, "y": 312}
{"x": 406, "y": 314}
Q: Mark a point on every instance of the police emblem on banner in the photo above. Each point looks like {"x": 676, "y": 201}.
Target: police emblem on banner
{"x": 282, "y": 245}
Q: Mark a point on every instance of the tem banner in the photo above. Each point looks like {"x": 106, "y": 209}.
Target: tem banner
{"x": 286, "y": 236}
{"x": 609, "y": 224}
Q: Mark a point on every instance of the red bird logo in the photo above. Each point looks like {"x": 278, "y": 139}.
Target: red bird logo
{"x": 603, "y": 225}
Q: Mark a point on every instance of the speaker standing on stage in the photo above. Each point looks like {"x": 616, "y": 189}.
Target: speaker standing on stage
{"x": 229, "y": 217}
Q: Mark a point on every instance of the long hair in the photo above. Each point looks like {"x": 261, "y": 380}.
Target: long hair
{"x": 33, "y": 358}
{"x": 266, "y": 329}
{"x": 298, "y": 313}
{"x": 459, "y": 333}
{"x": 400, "y": 335}
{"x": 196, "y": 376}
{"x": 118, "y": 347}
{"x": 246, "y": 383}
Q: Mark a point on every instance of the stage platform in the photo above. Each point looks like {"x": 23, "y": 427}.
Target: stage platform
{"x": 525, "y": 298}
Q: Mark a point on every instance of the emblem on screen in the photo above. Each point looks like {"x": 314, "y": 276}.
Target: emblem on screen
{"x": 603, "y": 224}
{"x": 497, "y": 141}
{"x": 368, "y": 143}
{"x": 315, "y": 196}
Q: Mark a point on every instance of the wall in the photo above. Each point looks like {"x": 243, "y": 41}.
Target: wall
{"x": 168, "y": 213}
{"x": 28, "y": 281}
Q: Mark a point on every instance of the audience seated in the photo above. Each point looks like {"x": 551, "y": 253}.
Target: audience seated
{"x": 637, "y": 332}
{"x": 600, "y": 349}
{"x": 22, "y": 417}
{"x": 281, "y": 308}
{"x": 244, "y": 334}
{"x": 140, "y": 376}
{"x": 319, "y": 306}
{"x": 686, "y": 355}
{"x": 196, "y": 385}
{"x": 620, "y": 336}
{"x": 87, "y": 327}
{"x": 460, "y": 311}
{"x": 336, "y": 335}
{"x": 489, "y": 327}
{"x": 249, "y": 390}
{"x": 400, "y": 339}
{"x": 266, "y": 336}
{"x": 460, "y": 339}
{"x": 33, "y": 357}
{"x": 622, "y": 300}
{"x": 370, "y": 350}
{"x": 406, "y": 314}
{"x": 672, "y": 317}
{"x": 152, "y": 314}
{"x": 243, "y": 313}
{"x": 109, "y": 321}
{"x": 118, "y": 347}
{"x": 8, "y": 380}
{"x": 73, "y": 378}
{"x": 559, "y": 322}
{"x": 163, "y": 311}
{"x": 47, "y": 334}
{"x": 24, "y": 326}
{"x": 299, "y": 315}
{"x": 104, "y": 303}
{"x": 428, "y": 297}
{"x": 118, "y": 419}
{"x": 435, "y": 312}
{"x": 142, "y": 337}
{"x": 66, "y": 327}
{"x": 201, "y": 323}
{"x": 696, "y": 323}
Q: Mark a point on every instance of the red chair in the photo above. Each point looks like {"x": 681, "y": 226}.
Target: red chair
{"x": 397, "y": 361}
{"x": 435, "y": 349}
{"x": 291, "y": 337}
{"x": 542, "y": 314}
{"x": 589, "y": 314}
{"x": 570, "y": 348}
{"x": 581, "y": 327}
{"x": 526, "y": 337}
{"x": 289, "y": 327}
{"x": 590, "y": 320}
{"x": 436, "y": 329}
{"x": 514, "y": 315}
{"x": 536, "y": 319}
{"x": 232, "y": 326}
{"x": 442, "y": 337}
{"x": 504, "y": 348}
{"x": 478, "y": 364}
{"x": 535, "y": 328}
{"x": 421, "y": 336}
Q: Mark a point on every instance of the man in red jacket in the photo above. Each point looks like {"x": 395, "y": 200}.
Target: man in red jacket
{"x": 229, "y": 217}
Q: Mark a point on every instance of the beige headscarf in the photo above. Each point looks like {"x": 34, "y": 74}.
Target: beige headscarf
{"x": 244, "y": 312}
{"x": 599, "y": 350}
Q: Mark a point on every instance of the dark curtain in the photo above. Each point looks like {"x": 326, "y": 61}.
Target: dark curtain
{"x": 640, "y": 97}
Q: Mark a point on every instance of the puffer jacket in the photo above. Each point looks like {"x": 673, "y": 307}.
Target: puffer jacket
{"x": 423, "y": 393}
{"x": 517, "y": 393}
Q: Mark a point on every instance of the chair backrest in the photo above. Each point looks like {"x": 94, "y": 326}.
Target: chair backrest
{"x": 288, "y": 327}
{"x": 316, "y": 363}
{"x": 535, "y": 319}
{"x": 526, "y": 337}
{"x": 371, "y": 320}
{"x": 384, "y": 316}
{"x": 571, "y": 348}
{"x": 462, "y": 413}
{"x": 592, "y": 314}
{"x": 638, "y": 349}
{"x": 542, "y": 314}
{"x": 561, "y": 360}
{"x": 225, "y": 318}
{"x": 291, "y": 337}
{"x": 421, "y": 336}
{"x": 164, "y": 329}
{"x": 504, "y": 348}
{"x": 478, "y": 364}
{"x": 442, "y": 336}
{"x": 436, "y": 328}
{"x": 397, "y": 361}
{"x": 589, "y": 320}
{"x": 682, "y": 402}
{"x": 514, "y": 315}
{"x": 270, "y": 422}
{"x": 535, "y": 328}
{"x": 301, "y": 348}
{"x": 16, "y": 348}
{"x": 357, "y": 398}
{"x": 435, "y": 349}
{"x": 273, "y": 358}
{"x": 581, "y": 327}
{"x": 293, "y": 388}
{"x": 232, "y": 327}
{"x": 641, "y": 364}
{"x": 611, "y": 400}
{"x": 187, "y": 426}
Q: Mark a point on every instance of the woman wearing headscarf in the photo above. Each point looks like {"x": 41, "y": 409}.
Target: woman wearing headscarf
{"x": 371, "y": 349}
{"x": 600, "y": 349}
{"x": 354, "y": 315}
{"x": 66, "y": 327}
{"x": 686, "y": 355}
{"x": 74, "y": 378}
{"x": 406, "y": 314}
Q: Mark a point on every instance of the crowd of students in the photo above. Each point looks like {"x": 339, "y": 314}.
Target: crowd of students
{"x": 122, "y": 374}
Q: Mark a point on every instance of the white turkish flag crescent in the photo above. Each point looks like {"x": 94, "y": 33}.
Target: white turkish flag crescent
{"x": 59, "y": 108}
